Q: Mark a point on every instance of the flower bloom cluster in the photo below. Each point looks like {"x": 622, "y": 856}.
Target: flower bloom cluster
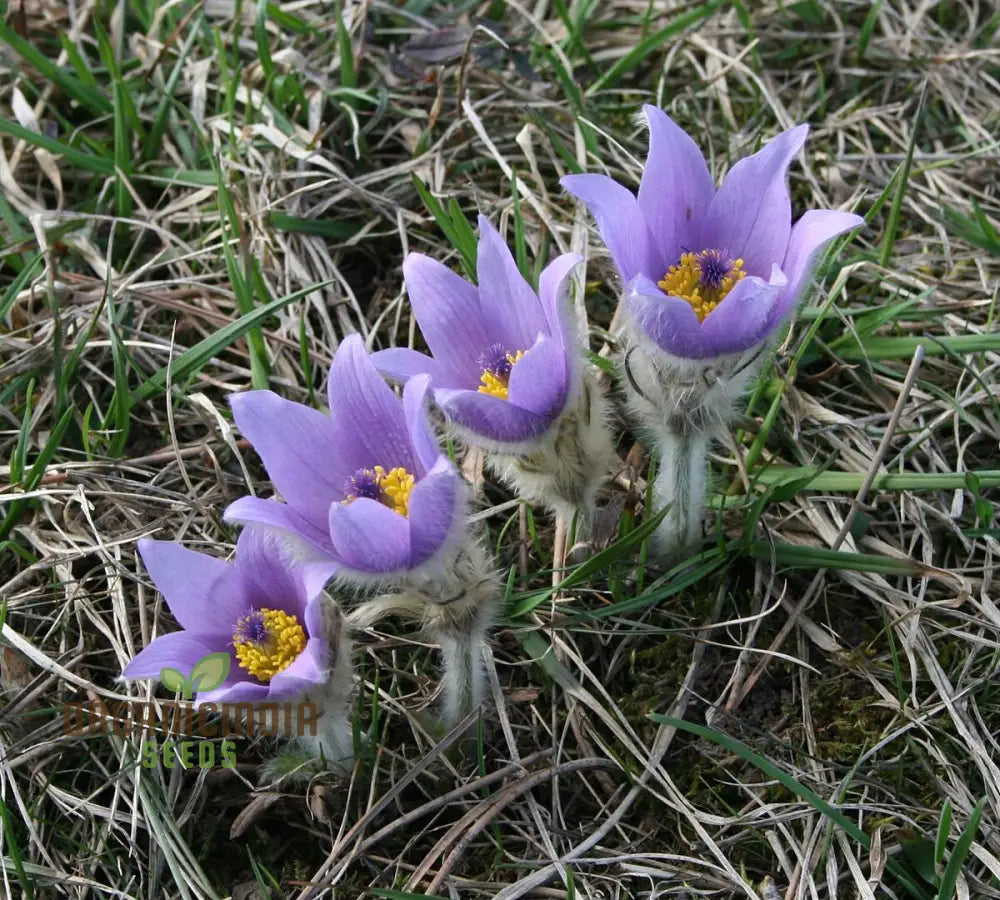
{"x": 368, "y": 498}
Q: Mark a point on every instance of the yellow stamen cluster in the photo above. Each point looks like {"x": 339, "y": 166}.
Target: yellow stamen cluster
{"x": 397, "y": 485}
{"x": 392, "y": 488}
{"x": 495, "y": 382}
{"x": 685, "y": 281}
{"x": 285, "y": 640}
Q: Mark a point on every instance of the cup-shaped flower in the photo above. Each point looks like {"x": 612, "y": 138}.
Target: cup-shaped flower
{"x": 503, "y": 362}
{"x": 263, "y": 610}
{"x": 366, "y": 486}
{"x": 709, "y": 272}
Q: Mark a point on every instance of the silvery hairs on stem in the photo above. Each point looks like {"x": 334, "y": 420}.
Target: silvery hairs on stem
{"x": 456, "y": 602}
{"x": 709, "y": 277}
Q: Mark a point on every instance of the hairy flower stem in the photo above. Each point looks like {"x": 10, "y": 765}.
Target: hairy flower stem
{"x": 334, "y": 737}
{"x": 564, "y": 470}
{"x": 463, "y": 679}
{"x": 459, "y": 608}
{"x": 680, "y": 484}
{"x": 681, "y": 405}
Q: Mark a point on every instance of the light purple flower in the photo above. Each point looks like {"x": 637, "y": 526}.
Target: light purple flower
{"x": 366, "y": 486}
{"x": 503, "y": 356}
{"x": 233, "y": 608}
{"x": 683, "y": 238}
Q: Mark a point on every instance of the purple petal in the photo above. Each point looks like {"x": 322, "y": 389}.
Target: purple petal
{"x": 265, "y": 560}
{"x": 314, "y": 616}
{"x": 750, "y": 216}
{"x": 510, "y": 308}
{"x": 179, "y": 650}
{"x": 425, "y": 445}
{"x": 306, "y": 458}
{"x": 401, "y": 364}
{"x": 237, "y": 691}
{"x": 305, "y": 672}
{"x": 185, "y": 578}
{"x": 538, "y": 379}
{"x": 447, "y": 309}
{"x": 313, "y": 578}
{"x": 369, "y": 537}
{"x": 299, "y": 532}
{"x": 810, "y": 235}
{"x": 621, "y": 224}
{"x": 365, "y": 412}
{"x": 744, "y": 317}
{"x": 434, "y": 512}
{"x": 676, "y": 187}
{"x": 490, "y": 417}
{"x": 668, "y": 321}
{"x": 553, "y": 286}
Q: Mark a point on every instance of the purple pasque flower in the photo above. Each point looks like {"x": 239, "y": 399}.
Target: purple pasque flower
{"x": 366, "y": 486}
{"x": 262, "y": 609}
{"x": 503, "y": 360}
{"x": 709, "y": 272}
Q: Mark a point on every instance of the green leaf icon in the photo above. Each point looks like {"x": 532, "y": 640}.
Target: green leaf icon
{"x": 173, "y": 679}
{"x": 210, "y": 671}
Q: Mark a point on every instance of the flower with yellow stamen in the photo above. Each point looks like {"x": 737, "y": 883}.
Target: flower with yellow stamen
{"x": 262, "y": 609}
{"x": 365, "y": 487}
{"x": 667, "y": 241}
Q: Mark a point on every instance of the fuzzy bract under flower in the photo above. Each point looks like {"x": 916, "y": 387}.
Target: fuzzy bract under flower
{"x": 503, "y": 358}
{"x": 365, "y": 487}
{"x": 261, "y": 609}
{"x": 709, "y": 272}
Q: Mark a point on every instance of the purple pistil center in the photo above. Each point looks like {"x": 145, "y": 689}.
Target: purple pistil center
{"x": 496, "y": 361}
{"x": 364, "y": 483}
{"x": 715, "y": 266}
{"x": 251, "y": 629}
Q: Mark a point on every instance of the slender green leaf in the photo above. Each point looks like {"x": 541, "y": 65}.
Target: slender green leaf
{"x": 797, "y": 788}
{"x": 96, "y": 164}
{"x": 193, "y": 359}
{"x": 652, "y": 43}
{"x": 960, "y": 853}
{"x": 86, "y": 95}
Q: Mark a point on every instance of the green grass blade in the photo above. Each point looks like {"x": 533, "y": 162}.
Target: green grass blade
{"x": 793, "y": 556}
{"x": 652, "y": 43}
{"x": 13, "y": 848}
{"x": 96, "y": 164}
{"x": 449, "y": 227}
{"x": 335, "y": 229}
{"x": 946, "y": 890}
{"x": 850, "y": 482}
{"x": 86, "y": 95}
{"x": 193, "y": 359}
{"x": 797, "y": 788}
{"x": 903, "y": 347}
{"x": 902, "y": 182}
